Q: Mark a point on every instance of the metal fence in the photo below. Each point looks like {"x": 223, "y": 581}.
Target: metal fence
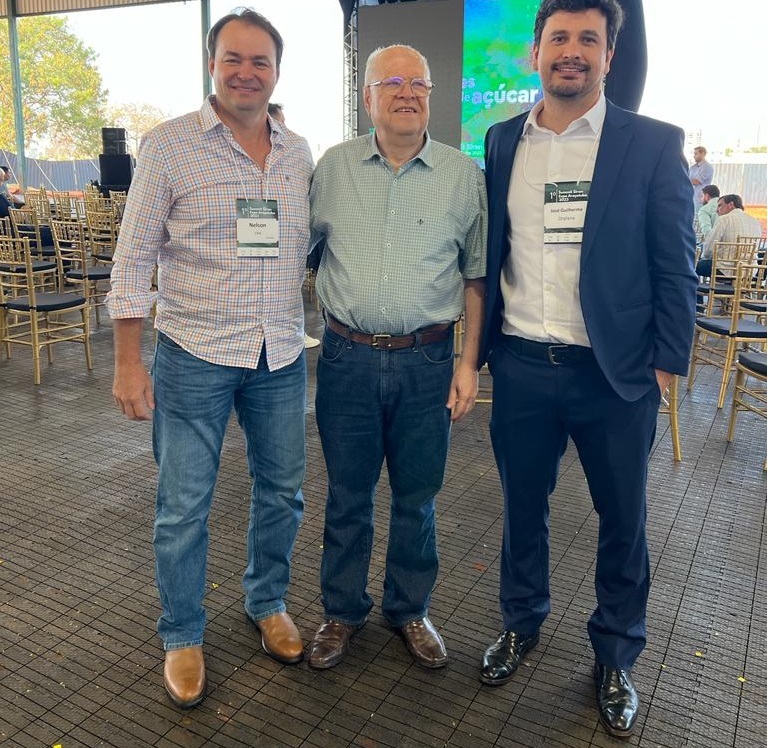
{"x": 747, "y": 180}
{"x": 57, "y": 176}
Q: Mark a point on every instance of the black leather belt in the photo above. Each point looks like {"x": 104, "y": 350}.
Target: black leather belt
{"x": 386, "y": 342}
{"x": 556, "y": 354}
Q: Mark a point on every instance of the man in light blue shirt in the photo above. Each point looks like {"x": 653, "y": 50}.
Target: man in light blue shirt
{"x": 700, "y": 173}
{"x": 404, "y": 224}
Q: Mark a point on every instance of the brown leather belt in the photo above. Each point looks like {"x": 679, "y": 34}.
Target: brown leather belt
{"x": 385, "y": 342}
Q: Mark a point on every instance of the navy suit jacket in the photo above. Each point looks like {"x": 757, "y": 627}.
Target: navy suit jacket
{"x": 637, "y": 281}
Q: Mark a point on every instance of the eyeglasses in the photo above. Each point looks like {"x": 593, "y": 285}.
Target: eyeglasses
{"x": 419, "y": 86}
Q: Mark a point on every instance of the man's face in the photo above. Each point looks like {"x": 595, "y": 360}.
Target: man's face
{"x": 704, "y": 198}
{"x": 572, "y": 57}
{"x": 723, "y": 208}
{"x": 698, "y": 155}
{"x": 400, "y": 115}
{"x": 244, "y": 68}
{"x": 4, "y": 176}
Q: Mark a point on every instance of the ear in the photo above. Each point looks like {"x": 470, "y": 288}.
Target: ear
{"x": 608, "y": 58}
{"x": 210, "y": 66}
{"x": 367, "y": 99}
{"x": 535, "y": 58}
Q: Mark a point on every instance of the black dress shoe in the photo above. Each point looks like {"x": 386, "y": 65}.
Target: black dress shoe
{"x": 617, "y": 702}
{"x": 424, "y": 643}
{"x": 503, "y": 657}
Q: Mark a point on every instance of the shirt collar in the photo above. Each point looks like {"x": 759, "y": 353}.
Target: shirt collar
{"x": 210, "y": 120}
{"x": 424, "y": 155}
{"x": 593, "y": 119}
{"x": 208, "y": 116}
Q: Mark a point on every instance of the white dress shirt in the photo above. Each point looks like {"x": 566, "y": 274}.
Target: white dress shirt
{"x": 540, "y": 282}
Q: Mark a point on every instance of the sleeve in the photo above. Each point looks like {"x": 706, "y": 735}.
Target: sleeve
{"x": 715, "y": 235}
{"x": 672, "y": 244}
{"x": 142, "y": 234}
{"x": 706, "y": 221}
{"x": 476, "y": 240}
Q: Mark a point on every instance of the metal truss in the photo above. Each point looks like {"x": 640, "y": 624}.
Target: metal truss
{"x": 350, "y": 77}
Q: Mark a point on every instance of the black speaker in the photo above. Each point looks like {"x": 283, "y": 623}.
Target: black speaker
{"x": 116, "y": 171}
{"x": 114, "y": 141}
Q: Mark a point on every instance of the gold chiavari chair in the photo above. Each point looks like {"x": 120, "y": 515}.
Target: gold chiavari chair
{"x": 101, "y": 234}
{"x": 717, "y": 339}
{"x": 40, "y": 201}
{"x": 37, "y": 319}
{"x": 69, "y": 239}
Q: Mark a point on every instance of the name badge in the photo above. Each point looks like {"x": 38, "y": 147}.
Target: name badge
{"x": 258, "y": 231}
{"x": 565, "y": 206}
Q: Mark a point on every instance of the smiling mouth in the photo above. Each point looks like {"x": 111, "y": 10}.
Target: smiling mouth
{"x": 570, "y": 69}
{"x": 406, "y": 110}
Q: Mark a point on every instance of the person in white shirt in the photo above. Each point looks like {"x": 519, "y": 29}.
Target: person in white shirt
{"x": 732, "y": 223}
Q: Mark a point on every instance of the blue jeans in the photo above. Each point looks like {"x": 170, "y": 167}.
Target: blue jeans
{"x": 373, "y": 405}
{"x": 193, "y": 403}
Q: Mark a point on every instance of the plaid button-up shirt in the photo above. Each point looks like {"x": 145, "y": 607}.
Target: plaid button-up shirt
{"x": 180, "y": 215}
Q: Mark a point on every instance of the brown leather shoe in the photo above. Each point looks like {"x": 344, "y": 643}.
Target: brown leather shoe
{"x": 424, "y": 643}
{"x": 331, "y": 643}
{"x": 280, "y": 638}
{"x": 184, "y": 676}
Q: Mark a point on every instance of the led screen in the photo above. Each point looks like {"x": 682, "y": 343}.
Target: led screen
{"x": 497, "y": 81}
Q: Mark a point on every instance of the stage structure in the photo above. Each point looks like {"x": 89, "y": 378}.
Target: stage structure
{"x": 479, "y": 53}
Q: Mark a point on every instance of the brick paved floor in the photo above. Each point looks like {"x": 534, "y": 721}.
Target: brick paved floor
{"x": 80, "y": 664}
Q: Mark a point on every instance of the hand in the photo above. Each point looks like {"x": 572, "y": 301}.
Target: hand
{"x": 664, "y": 379}
{"x": 133, "y": 393}
{"x": 461, "y": 398}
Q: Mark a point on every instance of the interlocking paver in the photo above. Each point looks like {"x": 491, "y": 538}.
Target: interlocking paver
{"x": 80, "y": 663}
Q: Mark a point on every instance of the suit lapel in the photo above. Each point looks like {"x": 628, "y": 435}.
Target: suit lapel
{"x": 614, "y": 143}
{"x": 506, "y": 146}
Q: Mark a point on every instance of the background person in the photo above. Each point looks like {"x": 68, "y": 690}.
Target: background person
{"x": 8, "y": 199}
{"x": 589, "y": 314}
{"x": 732, "y": 223}
{"x": 707, "y": 213}
{"x": 229, "y": 322}
{"x": 404, "y": 221}
{"x": 700, "y": 172}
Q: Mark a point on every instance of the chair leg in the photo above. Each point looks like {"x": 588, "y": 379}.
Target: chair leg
{"x": 692, "y": 368}
{"x": 737, "y": 385}
{"x": 35, "y": 335}
{"x": 730, "y": 356}
{"x": 86, "y": 314}
{"x": 674, "y": 423}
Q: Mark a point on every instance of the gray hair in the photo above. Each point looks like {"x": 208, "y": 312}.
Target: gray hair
{"x": 374, "y": 56}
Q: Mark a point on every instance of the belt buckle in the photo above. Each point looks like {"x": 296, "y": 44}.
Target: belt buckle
{"x": 378, "y": 338}
{"x": 552, "y": 354}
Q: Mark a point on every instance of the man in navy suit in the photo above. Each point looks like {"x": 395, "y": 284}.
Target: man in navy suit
{"x": 589, "y": 314}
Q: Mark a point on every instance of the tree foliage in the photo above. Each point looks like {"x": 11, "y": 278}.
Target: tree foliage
{"x": 63, "y": 99}
{"x": 137, "y": 120}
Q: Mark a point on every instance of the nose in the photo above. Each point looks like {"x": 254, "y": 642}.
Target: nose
{"x": 245, "y": 70}
{"x": 571, "y": 50}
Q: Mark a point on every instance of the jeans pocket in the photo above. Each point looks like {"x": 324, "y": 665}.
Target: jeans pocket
{"x": 166, "y": 342}
{"x": 332, "y": 346}
{"x": 438, "y": 353}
